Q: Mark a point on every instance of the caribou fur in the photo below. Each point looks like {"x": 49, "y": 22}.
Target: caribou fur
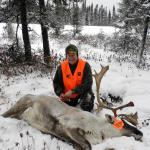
{"x": 81, "y": 128}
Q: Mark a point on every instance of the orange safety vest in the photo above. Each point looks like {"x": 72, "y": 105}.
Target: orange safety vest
{"x": 72, "y": 81}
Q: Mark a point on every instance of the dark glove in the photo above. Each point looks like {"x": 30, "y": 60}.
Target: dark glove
{"x": 87, "y": 106}
{"x": 87, "y": 101}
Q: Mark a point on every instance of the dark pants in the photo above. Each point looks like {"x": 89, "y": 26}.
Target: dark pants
{"x": 86, "y": 101}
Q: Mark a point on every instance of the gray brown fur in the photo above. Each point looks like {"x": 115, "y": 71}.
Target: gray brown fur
{"x": 54, "y": 117}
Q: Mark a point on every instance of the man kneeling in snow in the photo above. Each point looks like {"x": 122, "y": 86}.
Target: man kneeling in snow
{"x": 73, "y": 80}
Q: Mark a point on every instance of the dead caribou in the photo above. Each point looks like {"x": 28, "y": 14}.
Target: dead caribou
{"x": 81, "y": 128}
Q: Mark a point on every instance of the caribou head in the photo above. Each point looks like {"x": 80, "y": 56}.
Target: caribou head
{"x": 129, "y": 121}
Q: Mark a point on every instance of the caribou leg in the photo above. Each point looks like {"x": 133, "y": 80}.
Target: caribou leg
{"x": 73, "y": 136}
{"x": 19, "y": 107}
{"x": 79, "y": 140}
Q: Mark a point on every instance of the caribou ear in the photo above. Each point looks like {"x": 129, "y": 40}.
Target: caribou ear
{"x": 109, "y": 118}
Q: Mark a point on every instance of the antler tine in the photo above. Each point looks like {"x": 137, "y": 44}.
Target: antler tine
{"x": 114, "y": 110}
{"x": 95, "y": 73}
{"x": 130, "y": 104}
{"x": 132, "y": 118}
{"x": 102, "y": 66}
{"x": 98, "y": 77}
{"x": 126, "y": 105}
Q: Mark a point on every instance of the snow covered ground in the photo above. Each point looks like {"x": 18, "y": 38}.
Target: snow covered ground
{"x": 93, "y": 30}
{"x": 122, "y": 79}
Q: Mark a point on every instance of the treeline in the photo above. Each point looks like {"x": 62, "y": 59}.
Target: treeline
{"x": 97, "y": 15}
{"x": 25, "y": 12}
{"x": 61, "y": 12}
{"x": 54, "y": 14}
{"x": 91, "y": 15}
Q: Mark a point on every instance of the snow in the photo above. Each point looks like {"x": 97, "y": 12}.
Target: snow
{"x": 94, "y": 30}
{"x": 122, "y": 79}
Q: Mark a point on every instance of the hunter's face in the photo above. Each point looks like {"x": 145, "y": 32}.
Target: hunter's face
{"x": 72, "y": 57}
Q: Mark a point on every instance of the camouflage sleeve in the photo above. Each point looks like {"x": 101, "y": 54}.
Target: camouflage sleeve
{"x": 58, "y": 82}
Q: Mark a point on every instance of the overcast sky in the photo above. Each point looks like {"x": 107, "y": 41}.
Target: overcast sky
{"x": 108, "y": 3}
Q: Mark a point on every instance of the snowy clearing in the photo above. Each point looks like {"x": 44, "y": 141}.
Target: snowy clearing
{"x": 122, "y": 79}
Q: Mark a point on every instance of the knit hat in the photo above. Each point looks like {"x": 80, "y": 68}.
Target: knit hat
{"x": 71, "y": 48}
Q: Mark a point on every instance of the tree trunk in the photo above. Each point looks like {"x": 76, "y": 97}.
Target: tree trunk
{"x": 44, "y": 31}
{"x": 17, "y": 40}
{"x": 25, "y": 33}
{"x": 143, "y": 39}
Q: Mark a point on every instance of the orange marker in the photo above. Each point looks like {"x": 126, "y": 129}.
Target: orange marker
{"x": 118, "y": 123}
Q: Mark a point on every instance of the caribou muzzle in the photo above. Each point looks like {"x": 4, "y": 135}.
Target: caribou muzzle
{"x": 137, "y": 134}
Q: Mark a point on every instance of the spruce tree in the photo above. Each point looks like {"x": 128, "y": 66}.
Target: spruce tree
{"x": 83, "y": 13}
{"x": 76, "y": 19}
{"x": 95, "y": 21}
{"x": 87, "y": 18}
{"x": 135, "y": 16}
{"x": 109, "y": 18}
{"x": 114, "y": 15}
{"x": 91, "y": 15}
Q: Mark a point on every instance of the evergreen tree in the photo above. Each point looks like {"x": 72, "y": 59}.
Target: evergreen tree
{"x": 59, "y": 14}
{"x": 125, "y": 14}
{"x": 114, "y": 15}
{"x": 105, "y": 19}
{"x": 87, "y": 18}
{"x": 95, "y": 22}
{"x": 91, "y": 15}
{"x": 76, "y": 20}
{"x": 143, "y": 10}
{"x": 135, "y": 15}
{"x": 109, "y": 18}
{"x": 99, "y": 16}
{"x": 59, "y": 20}
{"x": 102, "y": 15}
{"x": 83, "y": 13}
{"x": 9, "y": 11}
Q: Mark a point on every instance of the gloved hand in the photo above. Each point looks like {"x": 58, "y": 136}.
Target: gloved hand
{"x": 63, "y": 97}
{"x": 87, "y": 102}
{"x": 68, "y": 94}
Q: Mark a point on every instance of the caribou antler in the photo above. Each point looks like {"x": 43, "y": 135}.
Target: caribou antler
{"x": 98, "y": 77}
{"x": 132, "y": 118}
{"x": 114, "y": 110}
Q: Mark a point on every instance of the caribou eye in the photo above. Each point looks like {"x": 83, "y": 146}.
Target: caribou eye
{"x": 118, "y": 123}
